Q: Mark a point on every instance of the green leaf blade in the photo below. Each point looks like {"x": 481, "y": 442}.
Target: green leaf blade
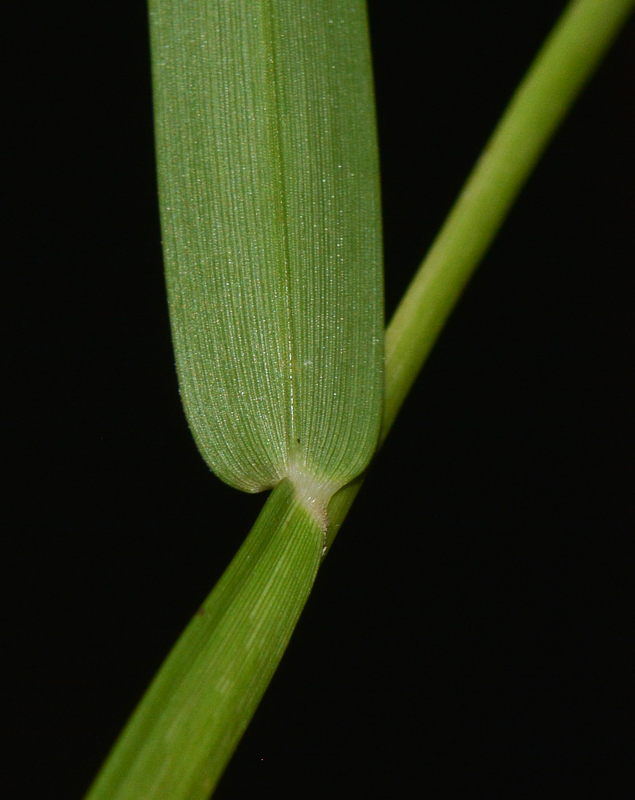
{"x": 270, "y": 204}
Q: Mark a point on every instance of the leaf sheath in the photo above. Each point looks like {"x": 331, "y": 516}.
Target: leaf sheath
{"x": 183, "y": 733}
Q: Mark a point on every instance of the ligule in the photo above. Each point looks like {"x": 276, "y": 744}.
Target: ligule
{"x": 269, "y": 192}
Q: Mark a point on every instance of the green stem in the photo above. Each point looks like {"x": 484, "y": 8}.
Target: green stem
{"x": 565, "y": 62}
{"x": 190, "y": 720}
{"x": 187, "y": 726}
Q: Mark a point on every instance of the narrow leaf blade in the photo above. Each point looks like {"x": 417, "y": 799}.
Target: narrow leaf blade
{"x": 270, "y": 206}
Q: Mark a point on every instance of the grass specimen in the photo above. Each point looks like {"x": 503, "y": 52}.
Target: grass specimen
{"x": 269, "y": 186}
{"x": 187, "y": 727}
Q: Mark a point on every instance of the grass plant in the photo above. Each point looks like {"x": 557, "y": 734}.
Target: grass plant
{"x": 182, "y": 735}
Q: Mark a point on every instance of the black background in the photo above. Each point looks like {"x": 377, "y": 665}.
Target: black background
{"x": 472, "y": 630}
